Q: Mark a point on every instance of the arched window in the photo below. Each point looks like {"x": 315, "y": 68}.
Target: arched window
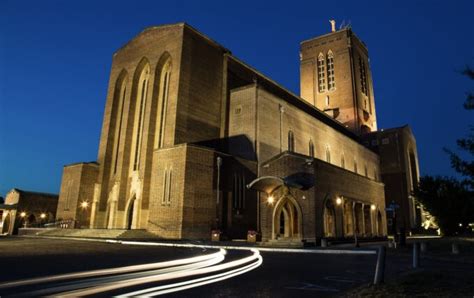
{"x": 238, "y": 191}
{"x": 141, "y": 96}
{"x": 121, "y": 91}
{"x": 291, "y": 141}
{"x": 375, "y": 175}
{"x": 166, "y": 195}
{"x": 343, "y": 161}
{"x": 311, "y": 148}
{"x": 164, "y": 86}
{"x": 330, "y": 69}
{"x": 355, "y": 166}
{"x": 321, "y": 73}
{"x": 363, "y": 77}
{"x": 366, "y": 172}
{"x": 328, "y": 154}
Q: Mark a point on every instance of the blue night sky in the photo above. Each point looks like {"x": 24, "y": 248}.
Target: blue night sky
{"x": 55, "y": 58}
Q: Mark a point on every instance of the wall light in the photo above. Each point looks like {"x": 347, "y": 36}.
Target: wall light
{"x": 270, "y": 199}
{"x": 23, "y": 214}
{"x": 339, "y": 201}
{"x": 43, "y": 215}
{"x": 84, "y": 204}
{"x": 372, "y": 207}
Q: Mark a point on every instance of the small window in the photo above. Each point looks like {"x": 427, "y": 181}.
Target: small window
{"x": 321, "y": 73}
{"x": 330, "y": 68}
{"x": 311, "y": 148}
{"x": 291, "y": 141}
{"x": 327, "y": 100}
{"x": 328, "y": 154}
{"x": 355, "y": 166}
{"x": 366, "y": 172}
{"x": 343, "y": 161}
{"x": 238, "y": 110}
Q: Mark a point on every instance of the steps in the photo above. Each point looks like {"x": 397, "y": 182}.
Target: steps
{"x": 284, "y": 242}
{"x": 97, "y": 233}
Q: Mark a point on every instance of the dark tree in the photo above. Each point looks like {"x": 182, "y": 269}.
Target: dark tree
{"x": 449, "y": 201}
{"x": 465, "y": 167}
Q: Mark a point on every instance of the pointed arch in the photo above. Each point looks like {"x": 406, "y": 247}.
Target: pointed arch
{"x": 140, "y": 94}
{"x": 119, "y": 99}
{"x": 291, "y": 141}
{"x": 162, "y": 87}
{"x": 311, "y": 148}
{"x": 343, "y": 161}
{"x": 321, "y": 65}
{"x": 328, "y": 154}
{"x": 288, "y": 207}
{"x": 330, "y": 71}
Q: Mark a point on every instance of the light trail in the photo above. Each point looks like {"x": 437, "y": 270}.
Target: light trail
{"x": 162, "y": 277}
{"x": 170, "y": 288}
{"x": 111, "y": 271}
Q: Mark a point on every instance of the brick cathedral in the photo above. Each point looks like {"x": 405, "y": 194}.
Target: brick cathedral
{"x": 195, "y": 140}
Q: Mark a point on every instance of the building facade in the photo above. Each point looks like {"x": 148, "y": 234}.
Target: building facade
{"x": 195, "y": 140}
{"x": 24, "y": 208}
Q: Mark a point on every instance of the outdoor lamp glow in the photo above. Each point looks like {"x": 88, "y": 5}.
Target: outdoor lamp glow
{"x": 43, "y": 215}
{"x": 84, "y": 204}
{"x": 23, "y": 214}
{"x": 372, "y": 207}
{"x": 339, "y": 201}
{"x": 270, "y": 199}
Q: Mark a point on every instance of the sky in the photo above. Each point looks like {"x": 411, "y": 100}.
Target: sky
{"x": 55, "y": 59}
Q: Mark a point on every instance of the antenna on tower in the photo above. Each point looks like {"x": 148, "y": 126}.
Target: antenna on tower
{"x": 342, "y": 24}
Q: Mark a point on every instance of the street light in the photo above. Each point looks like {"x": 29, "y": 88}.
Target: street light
{"x": 22, "y": 214}
{"x": 372, "y": 207}
{"x": 338, "y": 201}
{"x": 43, "y": 215}
{"x": 84, "y": 204}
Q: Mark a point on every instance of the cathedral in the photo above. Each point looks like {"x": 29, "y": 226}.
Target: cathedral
{"x": 196, "y": 142}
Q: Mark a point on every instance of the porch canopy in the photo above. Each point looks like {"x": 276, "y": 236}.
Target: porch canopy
{"x": 269, "y": 184}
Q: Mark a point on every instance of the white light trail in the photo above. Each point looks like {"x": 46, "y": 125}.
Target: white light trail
{"x": 162, "y": 277}
{"x": 111, "y": 271}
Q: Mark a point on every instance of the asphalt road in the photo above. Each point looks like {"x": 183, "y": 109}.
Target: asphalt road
{"x": 279, "y": 275}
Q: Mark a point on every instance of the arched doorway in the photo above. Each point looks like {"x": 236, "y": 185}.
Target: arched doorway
{"x": 287, "y": 221}
{"x": 329, "y": 219}
{"x": 31, "y": 219}
{"x": 130, "y": 211}
{"x": 6, "y": 224}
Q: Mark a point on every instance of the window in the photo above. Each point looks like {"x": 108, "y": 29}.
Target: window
{"x": 330, "y": 69}
{"x": 140, "y": 113}
{"x": 343, "y": 162}
{"x": 321, "y": 74}
{"x": 311, "y": 148}
{"x": 166, "y": 196}
{"x": 366, "y": 172}
{"x": 363, "y": 77}
{"x": 122, "y": 90}
{"x": 327, "y": 100}
{"x": 163, "y": 100}
{"x": 375, "y": 175}
{"x": 291, "y": 141}
{"x": 238, "y": 192}
{"x": 355, "y": 166}
{"x": 328, "y": 154}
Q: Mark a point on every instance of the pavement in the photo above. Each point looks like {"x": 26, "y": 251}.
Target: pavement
{"x": 280, "y": 274}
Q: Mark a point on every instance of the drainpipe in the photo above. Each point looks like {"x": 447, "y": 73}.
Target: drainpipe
{"x": 219, "y": 164}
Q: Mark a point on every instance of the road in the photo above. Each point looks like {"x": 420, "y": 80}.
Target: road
{"x": 52, "y": 267}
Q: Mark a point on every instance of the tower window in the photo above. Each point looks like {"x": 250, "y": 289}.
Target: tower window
{"x": 321, "y": 74}
{"x": 291, "y": 141}
{"x": 355, "y": 166}
{"x": 363, "y": 78}
{"x": 166, "y": 197}
{"x": 343, "y": 162}
{"x": 328, "y": 154}
{"x": 331, "y": 77}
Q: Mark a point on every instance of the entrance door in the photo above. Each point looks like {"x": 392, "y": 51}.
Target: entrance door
{"x": 130, "y": 214}
{"x": 287, "y": 220}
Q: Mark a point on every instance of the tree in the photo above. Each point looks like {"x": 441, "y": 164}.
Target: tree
{"x": 462, "y": 166}
{"x": 449, "y": 201}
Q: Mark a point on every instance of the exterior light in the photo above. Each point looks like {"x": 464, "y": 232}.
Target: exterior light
{"x": 270, "y": 199}
{"x": 43, "y": 215}
{"x": 84, "y": 204}
{"x": 372, "y": 207}
{"x": 339, "y": 201}
{"x": 23, "y": 214}
{"x": 460, "y": 224}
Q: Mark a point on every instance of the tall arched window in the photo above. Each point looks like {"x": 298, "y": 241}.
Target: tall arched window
{"x": 311, "y": 148}
{"x": 363, "y": 77}
{"x": 343, "y": 161}
{"x": 291, "y": 141}
{"x": 163, "y": 94}
{"x": 141, "y": 96}
{"x": 121, "y": 89}
{"x": 321, "y": 73}
{"x": 355, "y": 166}
{"x": 366, "y": 171}
{"x": 330, "y": 69}
{"x": 328, "y": 154}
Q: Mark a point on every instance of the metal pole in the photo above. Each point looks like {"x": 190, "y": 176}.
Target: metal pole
{"x": 219, "y": 163}
{"x": 416, "y": 255}
{"x": 380, "y": 268}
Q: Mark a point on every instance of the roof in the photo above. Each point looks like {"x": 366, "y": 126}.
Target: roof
{"x": 21, "y": 191}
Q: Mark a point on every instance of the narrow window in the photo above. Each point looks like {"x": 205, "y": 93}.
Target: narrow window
{"x": 166, "y": 195}
{"x": 363, "y": 76}
{"x": 141, "y": 112}
{"x": 328, "y": 154}
{"x": 321, "y": 74}
{"x": 330, "y": 69}
{"x": 291, "y": 141}
{"x": 311, "y": 148}
{"x": 355, "y": 166}
{"x": 375, "y": 174}
{"x": 238, "y": 192}
{"x": 366, "y": 172}
{"x": 119, "y": 132}
{"x": 164, "y": 92}
{"x": 343, "y": 162}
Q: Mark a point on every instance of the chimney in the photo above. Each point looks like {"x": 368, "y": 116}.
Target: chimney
{"x": 333, "y": 25}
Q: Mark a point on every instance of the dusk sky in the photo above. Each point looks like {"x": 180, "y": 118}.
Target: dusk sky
{"x": 55, "y": 58}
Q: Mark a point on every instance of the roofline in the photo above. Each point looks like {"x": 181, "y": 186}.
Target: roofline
{"x": 33, "y": 192}
{"x": 324, "y": 35}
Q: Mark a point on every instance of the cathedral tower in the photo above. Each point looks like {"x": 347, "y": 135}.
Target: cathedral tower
{"x": 335, "y": 77}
